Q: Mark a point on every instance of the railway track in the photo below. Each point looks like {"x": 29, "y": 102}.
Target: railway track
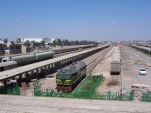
{"x": 93, "y": 63}
{"x": 53, "y": 74}
{"x": 70, "y": 52}
{"x": 50, "y": 80}
{"x": 104, "y": 56}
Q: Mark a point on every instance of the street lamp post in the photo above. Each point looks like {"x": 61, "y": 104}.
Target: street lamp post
{"x": 150, "y": 48}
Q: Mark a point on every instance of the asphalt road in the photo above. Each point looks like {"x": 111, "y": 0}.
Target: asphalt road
{"x": 132, "y": 61}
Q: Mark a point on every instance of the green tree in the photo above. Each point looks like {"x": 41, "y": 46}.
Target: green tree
{"x": 77, "y": 42}
{"x": 12, "y": 42}
{"x": 43, "y": 43}
{"x": 66, "y": 42}
{"x": 57, "y": 42}
{"x": 54, "y": 43}
{"x": 27, "y": 43}
{"x": 18, "y": 40}
{"x": 37, "y": 44}
{"x": 5, "y": 40}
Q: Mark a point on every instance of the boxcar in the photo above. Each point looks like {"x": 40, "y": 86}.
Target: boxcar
{"x": 116, "y": 63}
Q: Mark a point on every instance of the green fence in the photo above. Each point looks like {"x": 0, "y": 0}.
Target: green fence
{"x": 86, "y": 90}
{"x": 76, "y": 94}
{"x": 84, "y": 95}
{"x": 146, "y": 97}
{"x": 113, "y": 96}
{"x": 13, "y": 91}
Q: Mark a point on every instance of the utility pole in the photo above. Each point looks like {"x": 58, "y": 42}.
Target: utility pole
{"x": 149, "y": 47}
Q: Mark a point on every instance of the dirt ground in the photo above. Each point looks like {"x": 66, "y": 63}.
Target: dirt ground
{"x": 111, "y": 82}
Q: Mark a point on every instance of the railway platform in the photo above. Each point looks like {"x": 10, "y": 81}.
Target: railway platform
{"x": 46, "y": 66}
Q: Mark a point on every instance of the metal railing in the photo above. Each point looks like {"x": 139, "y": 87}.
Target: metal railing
{"x": 146, "y": 97}
{"x": 77, "y": 94}
{"x": 85, "y": 95}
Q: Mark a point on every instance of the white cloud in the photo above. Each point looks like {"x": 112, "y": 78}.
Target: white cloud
{"x": 114, "y": 22}
{"x": 17, "y": 19}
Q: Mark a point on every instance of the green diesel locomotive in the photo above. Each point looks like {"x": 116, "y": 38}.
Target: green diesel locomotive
{"x": 68, "y": 77}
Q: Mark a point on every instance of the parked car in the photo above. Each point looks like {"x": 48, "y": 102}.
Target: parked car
{"x": 142, "y": 71}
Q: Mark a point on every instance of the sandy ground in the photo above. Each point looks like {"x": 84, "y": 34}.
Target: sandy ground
{"x": 104, "y": 68}
{"x": 132, "y": 61}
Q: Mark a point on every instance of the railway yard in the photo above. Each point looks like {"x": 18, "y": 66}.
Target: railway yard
{"x": 51, "y": 82}
{"x": 117, "y": 67}
{"x": 75, "y": 56}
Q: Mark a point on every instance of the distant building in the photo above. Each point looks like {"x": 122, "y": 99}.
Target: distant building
{"x": 48, "y": 40}
{"x": 52, "y": 39}
{"x": 1, "y": 41}
{"x": 31, "y": 39}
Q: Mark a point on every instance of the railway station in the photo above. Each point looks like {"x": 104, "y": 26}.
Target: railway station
{"x": 97, "y": 73}
{"x": 49, "y": 65}
{"x": 79, "y": 56}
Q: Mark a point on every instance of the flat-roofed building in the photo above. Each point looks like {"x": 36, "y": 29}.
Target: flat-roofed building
{"x": 48, "y": 40}
{"x": 31, "y": 39}
{"x": 1, "y": 41}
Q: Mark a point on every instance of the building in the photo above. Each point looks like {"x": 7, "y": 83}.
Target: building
{"x": 1, "y": 41}
{"x": 31, "y": 39}
{"x": 48, "y": 40}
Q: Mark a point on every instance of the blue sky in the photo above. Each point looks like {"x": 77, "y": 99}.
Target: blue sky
{"x": 76, "y": 19}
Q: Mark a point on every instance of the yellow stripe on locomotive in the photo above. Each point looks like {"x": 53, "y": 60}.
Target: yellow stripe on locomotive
{"x": 69, "y": 76}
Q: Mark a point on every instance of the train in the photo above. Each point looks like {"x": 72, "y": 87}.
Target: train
{"x": 14, "y": 61}
{"x": 143, "y": 44}
{"x": 30, "y": 58}
{"x": 70, "y": 76}
{"x": 8, "y": 65}
{"x": 36, "y": 57}
{"x": 141, "y": 48}
{"x": 116, "y": 62}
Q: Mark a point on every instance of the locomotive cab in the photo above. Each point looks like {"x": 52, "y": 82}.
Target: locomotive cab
{"x": 5, "y": 59}
{"x": 68, "y": 77}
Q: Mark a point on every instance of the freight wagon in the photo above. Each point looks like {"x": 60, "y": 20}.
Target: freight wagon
{"x": 116, "y": 63}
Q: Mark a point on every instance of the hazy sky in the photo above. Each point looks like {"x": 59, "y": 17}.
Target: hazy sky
{"x": 76, "y": 19}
